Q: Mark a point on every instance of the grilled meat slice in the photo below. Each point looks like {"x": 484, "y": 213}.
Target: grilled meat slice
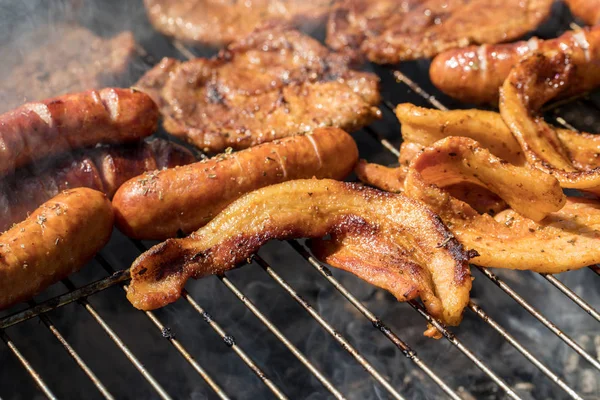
{"x": 158, "y": 205}
{"x": 312, "y": 208}
{"x": 561, "y": 241}
{"x": 475, "y": 73}
{"x": 59, "y": 238}
{"x": 586, "y": 10}
{"x": 390, "y": 31}
{"x": 62, "y": 58}
{"x": 273, "y": 84}
{"x": 53, "y": 126}
{"x": 103, "y": 168}
{"x": 218, "y": 23}
{"x": 535, "y": 81}
{"x": 421, "y": 127}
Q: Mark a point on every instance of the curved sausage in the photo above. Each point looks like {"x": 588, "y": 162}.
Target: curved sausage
{"x": 474, "y": 74}
{"x": 158, "y": 205}
{"x": 53, "y": 126}
{"x": 58, "y": 239}
{"x": 103, "y": 168}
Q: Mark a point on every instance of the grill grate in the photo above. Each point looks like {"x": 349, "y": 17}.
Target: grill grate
{"x": 119, "y": 278}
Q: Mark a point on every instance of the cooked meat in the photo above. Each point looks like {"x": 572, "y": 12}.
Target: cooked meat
{"x": 392, "y": 180}
{"x": 62, "y": 59}
{"x": 475, "y": 73}
{"x": 417, "y": 242}
{"x": 159, "y": 205}
{"x": 586, "y": 10}
{"x": 273, "y": 84}
{"x": 58, "y": 239}
{"x": 423, "y": 127}
{"x": 37, "y": 130}
{"x": 390, "y": 31}
{"x": 535, "y": 81}
{"x": 563, "y": 240}
{"x": 218, "y": 22}
{"x": 103, "y": 168}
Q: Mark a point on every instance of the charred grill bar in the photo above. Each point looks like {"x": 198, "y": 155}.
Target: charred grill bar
{"x": 120, "y": 277}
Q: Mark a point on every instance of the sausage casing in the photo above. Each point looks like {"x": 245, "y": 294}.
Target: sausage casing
{"x": 160, "y": 204}
{"x": 56, "y": 240}
{"x": 102, "y": 168}
{"x": 474, "y": 74}
{"x": 53, "y": 126}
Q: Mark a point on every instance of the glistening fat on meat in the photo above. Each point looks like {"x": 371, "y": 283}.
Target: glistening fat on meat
{"x": 158, "y": 205}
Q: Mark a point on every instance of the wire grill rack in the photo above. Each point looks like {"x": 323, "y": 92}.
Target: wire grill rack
{"x": 115, "y": 278}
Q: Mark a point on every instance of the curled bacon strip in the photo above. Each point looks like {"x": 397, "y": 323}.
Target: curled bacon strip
{"x": 420, "y": 257}
{"x": 531, "y": 84}
{"x": 564, "y": 239}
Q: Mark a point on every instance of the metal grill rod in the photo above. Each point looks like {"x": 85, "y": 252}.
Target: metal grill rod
{"x": 510, "y": 339}
{"x": 34, "y": 374}
{"x": 115, "y": 338}
{"x": 547, "y": 323}
{"x": 176, "y": 343}
{"x": 325, "y": 325}
{"x": 452, "y": 338}
{"x": 227, "y": 339}
{"x": 377, "y": 323}
{"x": 99, "y": 385}
{"x": 570, "y": 294}
{"x": 62, "y": 300}
{"x": 400, "y": 77}
{"x": 324, "y": 381}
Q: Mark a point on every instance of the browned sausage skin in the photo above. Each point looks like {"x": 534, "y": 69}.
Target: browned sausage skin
{"x": 58, "y": 239}
{"x": 158, "y": 205}
{"x": 53, "y": 126}
{"x": 103, "y": 168}
{"x": 586, "y": 10}
{"x": 474, "y": 74}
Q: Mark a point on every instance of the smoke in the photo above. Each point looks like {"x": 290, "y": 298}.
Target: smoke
{"x": 168, "y": 367}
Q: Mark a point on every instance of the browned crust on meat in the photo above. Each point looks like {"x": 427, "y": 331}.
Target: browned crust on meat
{"x": 565, "y": 239}
{"x": 532, "y": 83}
{"x": 273, "y": 84}
{"x": 388, "y": 33}
{"x": 586, "y": 10}
{"x": 215, "y": 23}
{"x": 308, "y": 208}
{"x": 103, "y": 168}
{"x": 159, "y": 205}
{"x": 71, "y": 121}
{"x": 57, "y": 239}
{"x": 476, "y": 73}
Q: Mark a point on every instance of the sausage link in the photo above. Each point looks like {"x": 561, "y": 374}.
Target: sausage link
{"x": 53, "y": 126}
{"x": 586, "y": 10}
{"x": 158, "y": 205}
{"x": 58, "y": 239}
{"x": 103, "y": 168}
{"x": 474, "y": 74}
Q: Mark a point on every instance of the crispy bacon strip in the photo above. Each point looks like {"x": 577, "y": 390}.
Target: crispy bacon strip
{"x": 423, "y": 126}
{"x": 312, "y": 208}
{"x": 531, "y": 84}
{"x": 563, "y": 240}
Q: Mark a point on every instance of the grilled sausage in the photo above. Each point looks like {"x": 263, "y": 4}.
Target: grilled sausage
{"x": 586, "y": 10}
{"x": 56, "y": 240}
{"x": 53, "y": 126}
{"x": 474, "y": 74}
{"x": 104, "y": 168}
{"x": 158, "y": 205}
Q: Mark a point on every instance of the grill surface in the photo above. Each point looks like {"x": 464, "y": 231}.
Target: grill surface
{"x": 288, "y": 326}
